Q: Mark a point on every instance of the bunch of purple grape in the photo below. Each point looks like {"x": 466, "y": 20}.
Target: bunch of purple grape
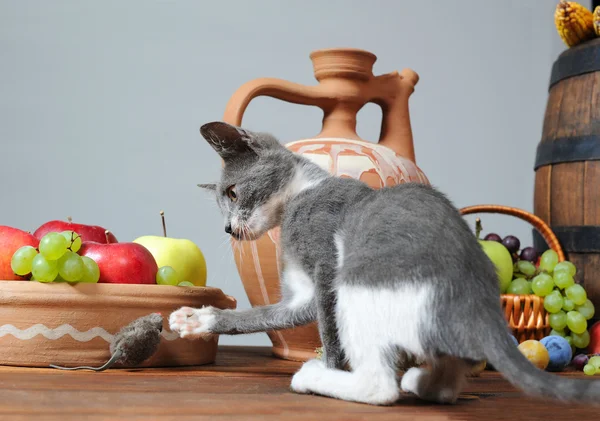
{"x": 513, "y": 245}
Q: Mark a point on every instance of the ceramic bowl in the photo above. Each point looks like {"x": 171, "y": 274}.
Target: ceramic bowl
{"x": 72, "y": 325}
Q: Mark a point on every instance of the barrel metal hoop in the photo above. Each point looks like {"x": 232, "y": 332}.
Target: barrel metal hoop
{"x": 568, "y": 149}
{"x": 574, "y": 62}
{"x": 573, "y": 239}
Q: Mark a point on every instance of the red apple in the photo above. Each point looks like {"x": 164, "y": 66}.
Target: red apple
{"x": 11, "y": 239}
{"x": 594, "y": 346}
{"x": 122, "y": 263}
{"x": 87, "y": 232}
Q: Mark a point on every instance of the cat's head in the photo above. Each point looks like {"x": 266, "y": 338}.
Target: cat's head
{"x": 255, "y": 178}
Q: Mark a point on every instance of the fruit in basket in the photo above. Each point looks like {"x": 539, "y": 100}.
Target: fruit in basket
{"x": 122, "y": 263}
{"x": 579, "y": 361}
{"x": 542, "y": 284}
{"x": 548, "y": 260}
{"x": 574, "y": 22}
{"x": 11, "y": 239}
{"x": 577, "y": 294}
{"x": 553, "y": 302}
{"x": 535, "y": 352}
{"x": 501, "y": 258}
{"x": 576, "y": 322}
{"x": 511, "y": 243}
{"x": 580, "y": 341}
{"x": 565, "y": 266}
{"x": 493, "y": 237}
{"x": 596, "y": 17}
{"x": 559, "y": 351}
{"x": 519, "y": 286}
{"x": 568, "y": 304}
{"x": 587, "y": 309}
{"x": 558, "y": 320}
{"x": 526, "y": 268}
{"x": 87, "y": 232}
{"x": 563, "y": 279}
{"x": 529, "y": 254}
{"x": 180, "y": 254}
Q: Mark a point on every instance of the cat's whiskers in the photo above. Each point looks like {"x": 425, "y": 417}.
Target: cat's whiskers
{"x": 225, "y": 242}
{"x": 241, "y": 253}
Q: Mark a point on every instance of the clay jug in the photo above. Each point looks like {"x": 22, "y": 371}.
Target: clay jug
{"x": 346, "y": 84}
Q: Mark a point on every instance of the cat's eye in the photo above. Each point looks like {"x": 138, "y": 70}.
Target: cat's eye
{"x": 231, "y": 193}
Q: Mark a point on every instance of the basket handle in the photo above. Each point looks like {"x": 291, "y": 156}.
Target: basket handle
{"x": 543, "y": 228}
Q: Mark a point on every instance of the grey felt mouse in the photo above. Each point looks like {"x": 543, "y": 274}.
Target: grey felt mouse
{"x": 133, "y": 344}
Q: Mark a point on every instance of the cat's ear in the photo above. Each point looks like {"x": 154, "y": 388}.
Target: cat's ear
{"x": 229, "y": 141}
{"x": 212, "y": 187}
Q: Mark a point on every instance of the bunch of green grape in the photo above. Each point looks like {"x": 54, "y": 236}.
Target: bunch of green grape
{"x": 166, "y": 275}
{"x": 566, "y": 302}
{"x": 55, "y": 260}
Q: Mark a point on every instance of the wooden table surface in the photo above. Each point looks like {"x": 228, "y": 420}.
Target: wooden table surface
{"x": 243, "y": 384}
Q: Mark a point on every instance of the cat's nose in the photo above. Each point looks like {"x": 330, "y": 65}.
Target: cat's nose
{"x": 228, "y": 228}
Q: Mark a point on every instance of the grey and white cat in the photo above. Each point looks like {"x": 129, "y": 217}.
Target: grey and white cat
{"x": 388, "y": 274}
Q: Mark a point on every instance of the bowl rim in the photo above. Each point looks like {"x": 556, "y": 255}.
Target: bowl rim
{"x": 48, "y": 294}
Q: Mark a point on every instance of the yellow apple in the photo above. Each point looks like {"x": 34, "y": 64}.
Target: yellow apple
{"x": 501, "y": 258}
{"x": 182, "y": 255}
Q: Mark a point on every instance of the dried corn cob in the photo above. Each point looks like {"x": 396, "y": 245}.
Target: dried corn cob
{"x": 574, "y": 22}
{"x": 597, "y": 20}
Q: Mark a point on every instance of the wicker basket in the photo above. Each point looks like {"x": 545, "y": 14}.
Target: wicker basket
{"x": 525, "y": 314}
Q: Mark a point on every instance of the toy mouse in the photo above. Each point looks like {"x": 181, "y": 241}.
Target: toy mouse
{"x": 133, "y": 345}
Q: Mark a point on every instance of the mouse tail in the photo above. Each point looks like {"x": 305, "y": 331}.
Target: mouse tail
{"x": 113, "y": 359}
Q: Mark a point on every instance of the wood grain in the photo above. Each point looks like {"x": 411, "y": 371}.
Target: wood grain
{"x": 591, "y": 193}
{"x": 566, "y": 194}
{"x": 552, "y": 112}
{"x": 543, "y": 180}
{"x": 243, "y": 384}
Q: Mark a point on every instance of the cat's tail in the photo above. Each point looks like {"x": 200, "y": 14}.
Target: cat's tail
{"x": 502, "y": 353}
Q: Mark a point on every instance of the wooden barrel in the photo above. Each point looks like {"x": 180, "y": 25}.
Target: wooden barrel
{"x": 567, "y": 166}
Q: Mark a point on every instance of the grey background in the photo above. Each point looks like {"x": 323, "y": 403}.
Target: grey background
{"x": 100, "y": 103}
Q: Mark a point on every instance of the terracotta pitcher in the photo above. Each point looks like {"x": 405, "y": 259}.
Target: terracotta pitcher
{"x": 346, "y": 84}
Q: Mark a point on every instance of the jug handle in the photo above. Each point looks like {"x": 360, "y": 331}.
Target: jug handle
{"x": 391, "y": 92}
{"x": 276, "y": 88}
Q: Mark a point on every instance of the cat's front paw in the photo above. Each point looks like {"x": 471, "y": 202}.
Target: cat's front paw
{"x": 193, "y": 322}
{"x": 308, "y": 376}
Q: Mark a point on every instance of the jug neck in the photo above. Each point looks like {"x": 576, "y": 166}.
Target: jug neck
{"x": 340, "y": 121}
{"x": 343, "y": 74}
